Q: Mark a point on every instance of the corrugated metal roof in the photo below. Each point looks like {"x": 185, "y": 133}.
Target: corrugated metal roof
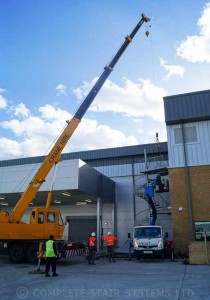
{"x": 151, "y": 149}
{"x": 118, "y": 151}
{"x": 185, "y": 108}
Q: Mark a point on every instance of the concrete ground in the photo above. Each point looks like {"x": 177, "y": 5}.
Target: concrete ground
{"x": 120, "y": 280}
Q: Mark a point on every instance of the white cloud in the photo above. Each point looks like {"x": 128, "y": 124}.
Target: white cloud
{"x": 3, "y": 102}
{"x": 15, "y": 126}
{"x": 9, "y": 149}
{"x": 133, "y": 99}
{"x": 172, "y": 69}
{"x": 95, "y": 136}
{"x": 2, "y": 90}
{"x": 34, "y": 135}
{"x": 137, "y": 121}
{"x": 196, "y": 48}
{"x": 140, "y": 131}
{"x": 20, "y": 110}
{"x": 49, "y": 112}
{"x": 61, "y": 90}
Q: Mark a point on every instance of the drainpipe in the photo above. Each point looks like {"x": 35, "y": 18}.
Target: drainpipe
{"x": 146, "y": 177}
{"x": 145, "y": 163}
{"x": 99, "y": 213}
{"x": 145, "y": 159}
{"x": 192, "y": 232}
{"x": 134, "y": 192}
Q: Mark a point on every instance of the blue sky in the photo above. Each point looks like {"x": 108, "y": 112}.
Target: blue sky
{"x": 51, "y": 52}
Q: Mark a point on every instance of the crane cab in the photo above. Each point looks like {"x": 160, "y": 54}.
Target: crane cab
{"x": 47, "y": 221}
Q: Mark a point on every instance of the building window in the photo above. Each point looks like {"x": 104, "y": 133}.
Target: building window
{"x": 190, "y": 134}
{"x": 202, "y": 229}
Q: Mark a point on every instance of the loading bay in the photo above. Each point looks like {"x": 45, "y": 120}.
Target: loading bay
{"x": 123, "y": 279}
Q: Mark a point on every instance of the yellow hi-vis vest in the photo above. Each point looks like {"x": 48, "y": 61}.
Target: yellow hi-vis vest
{"x": 49, "y": 249}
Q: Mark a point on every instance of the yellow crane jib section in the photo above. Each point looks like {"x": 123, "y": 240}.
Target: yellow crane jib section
{"x": 49, "y": 199}
{"x": 52, "y": 158}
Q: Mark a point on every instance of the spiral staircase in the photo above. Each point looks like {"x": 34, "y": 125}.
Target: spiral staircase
{"x": 153, "y": 166}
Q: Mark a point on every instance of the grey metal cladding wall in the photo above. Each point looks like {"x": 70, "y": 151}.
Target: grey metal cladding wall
{"x": 190, "y": 107}
{"x": 93, "y": 183}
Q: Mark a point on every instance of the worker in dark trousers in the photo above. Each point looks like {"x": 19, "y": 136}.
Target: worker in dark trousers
{"x": 51, "y": 255}
{"x": 110, "y": 239}
{"x": 92, "y": 248}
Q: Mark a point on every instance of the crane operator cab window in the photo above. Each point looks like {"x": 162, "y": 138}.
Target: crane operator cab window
{"x": 40, "y": 218}
{"x": 60, "y": 220}
{"x": 33, "y": 215}
{"x": 51, "y": 218}
{"x": 33, "y": 219}
{"x": 37, "y": 217}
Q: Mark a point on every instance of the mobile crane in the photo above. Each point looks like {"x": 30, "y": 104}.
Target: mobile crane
{"x": 22, "y": 238}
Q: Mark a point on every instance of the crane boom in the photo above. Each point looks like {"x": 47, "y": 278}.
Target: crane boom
{"x": 54, "y": 155}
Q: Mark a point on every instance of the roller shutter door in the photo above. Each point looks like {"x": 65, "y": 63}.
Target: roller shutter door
{"x": 81, "y": 228}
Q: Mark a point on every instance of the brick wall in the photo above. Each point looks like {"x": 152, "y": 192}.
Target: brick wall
{"x": 199, "y": 178}
{"x": 199, "y": 253}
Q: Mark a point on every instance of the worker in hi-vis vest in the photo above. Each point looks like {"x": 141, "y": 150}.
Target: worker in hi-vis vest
{"x": 92, "y": 248}
{"x": 51, "y": 255}
{"x": 110, "y": 239}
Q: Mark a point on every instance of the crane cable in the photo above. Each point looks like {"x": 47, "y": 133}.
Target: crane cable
{"x": 154, "y": 81}
{"x": 158, "y": 146}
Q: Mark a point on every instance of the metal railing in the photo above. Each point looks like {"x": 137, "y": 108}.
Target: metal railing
{"x": 143, "y": 217}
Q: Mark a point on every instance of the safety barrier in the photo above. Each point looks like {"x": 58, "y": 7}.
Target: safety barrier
{"x": 66, "y": 253}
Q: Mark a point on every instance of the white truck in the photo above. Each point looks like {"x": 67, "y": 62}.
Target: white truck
{"x": 148, "y": 241}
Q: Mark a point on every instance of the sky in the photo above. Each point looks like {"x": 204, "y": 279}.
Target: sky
{"x": 52, "y": 52}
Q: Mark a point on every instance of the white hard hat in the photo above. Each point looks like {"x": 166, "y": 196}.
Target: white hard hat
{"x": 108, "y": 233}
{"x": 93, "y": 234}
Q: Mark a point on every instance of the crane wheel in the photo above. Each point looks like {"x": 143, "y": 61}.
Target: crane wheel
{"x": 16, "y": 253}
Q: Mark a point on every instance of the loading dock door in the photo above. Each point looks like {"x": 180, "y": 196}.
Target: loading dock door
{"x": 80, "y": 228}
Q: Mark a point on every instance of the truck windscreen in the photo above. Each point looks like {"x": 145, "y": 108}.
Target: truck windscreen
{"x": 147, "y": 232}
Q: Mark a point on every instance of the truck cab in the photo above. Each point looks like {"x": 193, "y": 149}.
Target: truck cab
{"x": 148, "y": 241}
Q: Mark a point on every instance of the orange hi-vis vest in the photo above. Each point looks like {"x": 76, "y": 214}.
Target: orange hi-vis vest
{"x": 91, "y": 241}
{"x": 110, "y": 239}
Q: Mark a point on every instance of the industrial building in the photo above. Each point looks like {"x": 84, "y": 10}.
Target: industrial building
{"x": 103, "y": 190}
{"x": 98, "y": 190}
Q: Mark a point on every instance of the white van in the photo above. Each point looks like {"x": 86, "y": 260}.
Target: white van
{"x": 148, "y": 241}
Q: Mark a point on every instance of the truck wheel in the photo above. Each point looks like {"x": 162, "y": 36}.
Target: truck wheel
{"x": 31, "y": 254}
{"x": 16, "y": 253}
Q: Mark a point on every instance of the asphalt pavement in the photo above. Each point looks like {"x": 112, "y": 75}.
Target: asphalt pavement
{"x": 122, "y": 279}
